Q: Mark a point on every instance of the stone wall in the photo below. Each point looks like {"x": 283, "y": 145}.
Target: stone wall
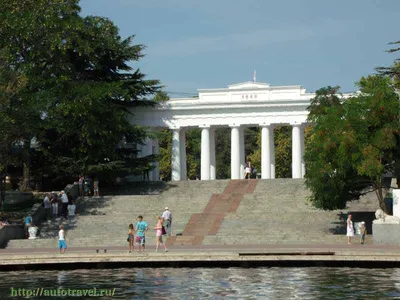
{"x": 10, "y": 232}
{"x": 386, "y": 234}
{"x": 73, "y": 189}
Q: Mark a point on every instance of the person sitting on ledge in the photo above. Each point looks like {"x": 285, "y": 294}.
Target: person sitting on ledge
{"x": 28, "y": 221}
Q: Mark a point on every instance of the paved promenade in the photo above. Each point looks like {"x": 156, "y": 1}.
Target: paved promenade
{"x": 369, "y": 256}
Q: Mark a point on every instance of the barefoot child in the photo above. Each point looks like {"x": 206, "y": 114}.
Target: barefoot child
{"x": 131, "y": 238}
{"x": 62, "y": 244}
{"x": 363, "y": 231}
{"x": 158, "y": 230}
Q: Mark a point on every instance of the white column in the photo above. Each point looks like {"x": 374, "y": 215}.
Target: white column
{"x": 272, "y": 151}
{"x": 267, "y": 152}
{"x": 302, "y": 142}
{"x": 242, "y": 153}
{"x": 182, "y": 144}
{"x": 296, "y": 150}
{"x": 213, "y": 166}
{"x": 205, "y": 153}
{"x": 175, "y": 156}
{"x": 235, "y": 152}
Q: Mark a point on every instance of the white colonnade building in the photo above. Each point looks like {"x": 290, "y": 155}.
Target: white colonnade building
{"x": 242, "y": 105}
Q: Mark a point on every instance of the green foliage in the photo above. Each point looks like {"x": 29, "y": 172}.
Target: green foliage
{"x": 353, "y": 142}
{"x": 193, "y": 152}
{"x": 283, "y": 152}
{"x": 79, "y": 91}
{"x": 165, "y": 151}
{"x": 223, "y": 153}
{"x": 394, "y": 70}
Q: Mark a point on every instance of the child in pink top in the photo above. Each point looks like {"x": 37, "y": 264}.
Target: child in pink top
{"x": 158, "y": 230}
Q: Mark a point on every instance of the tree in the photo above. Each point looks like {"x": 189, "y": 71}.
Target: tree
{"x": 373, "y": 117}
{"x": 394, "y": 70}
{"x": 353, "y": 142}
{"x": 30, "y": 44}
{"x": 79, "y": 94}
{"x": 10, "y": 83}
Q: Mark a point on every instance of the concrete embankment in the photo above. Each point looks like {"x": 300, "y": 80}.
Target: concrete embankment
{"x": 205, "y": 257}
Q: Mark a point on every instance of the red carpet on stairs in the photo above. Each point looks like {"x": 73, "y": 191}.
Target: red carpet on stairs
{"x": 209, "y": 221}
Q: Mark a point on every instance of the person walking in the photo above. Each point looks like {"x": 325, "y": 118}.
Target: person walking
{"x": 62, "y": 244}
{"x": 131, "y": 238}
{"x": 47, "y": 207}
{"x": 96, "y": 188}
{"x": 54, "y": 204}
{"x": 363, "y": 232}
{"x": 167, "y": 221}
{"x": 71, "y": 208}
{"x": 28, "y": 222}
{"x": 158, "y": 230}
{"x": 64, "y": 201}
{"x": 80, "y": 182}
{"x": 141, "y": 228}
{"x": 350, "y": 229}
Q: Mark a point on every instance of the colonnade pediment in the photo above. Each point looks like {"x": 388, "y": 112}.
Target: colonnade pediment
{"x": 238, "y": 106}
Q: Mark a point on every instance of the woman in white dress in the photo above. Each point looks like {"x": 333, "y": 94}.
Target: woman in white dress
{"x": 350, "y": 229}
{"x": 247, "y": 170}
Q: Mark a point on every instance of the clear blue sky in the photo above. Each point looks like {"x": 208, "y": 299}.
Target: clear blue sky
{"x": 213, "y": 43}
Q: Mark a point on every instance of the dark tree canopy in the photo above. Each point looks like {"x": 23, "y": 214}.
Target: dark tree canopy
{"x": 81, "y": 88}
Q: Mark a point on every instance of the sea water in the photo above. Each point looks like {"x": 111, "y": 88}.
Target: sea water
{"x": 202, "y": 283}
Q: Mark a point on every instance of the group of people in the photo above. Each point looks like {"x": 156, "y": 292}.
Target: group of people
{"x": 163, "y": 227}
{"x": 350, "y": 230}
{"x": 51, "y": 201}
{"x": 88, "y": 187}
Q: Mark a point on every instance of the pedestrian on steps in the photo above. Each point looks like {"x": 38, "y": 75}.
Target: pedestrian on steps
{"x": 131, "y": 238}
{"x": 350, "y": 229}
{"x": 54, "y": 204}
{"x": 363, "y": 231}
{"x": 62, "y": 244}
{"x": 96, "y": 188}
{"x": 158, "y": 230}
{"x": 47, "y": 206}
{"x": 167, "y": 221}
{"x": 80, "y": 182}
{"x": 64, "y": 201}
{"x": 141, "y": 228}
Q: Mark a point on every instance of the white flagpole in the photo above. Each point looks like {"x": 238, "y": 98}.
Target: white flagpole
{"x": 254, "y": 76}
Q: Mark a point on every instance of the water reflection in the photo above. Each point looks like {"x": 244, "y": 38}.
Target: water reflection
{"x": 233, "y": 283}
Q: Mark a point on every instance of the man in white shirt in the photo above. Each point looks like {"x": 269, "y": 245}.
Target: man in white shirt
{"x": 64, "y": 200}
{"x": 47, "y": 207}
{"x": 167, "y": 217}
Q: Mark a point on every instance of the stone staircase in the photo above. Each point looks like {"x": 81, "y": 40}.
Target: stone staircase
{"x": 209, "y": 221}
{"x": 104, "y": 221}
{"x": 208, "y": 212}
{"x": 278, "y": 212}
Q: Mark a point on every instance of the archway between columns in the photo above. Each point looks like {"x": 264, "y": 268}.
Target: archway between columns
{"x": 190, "y": 163}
